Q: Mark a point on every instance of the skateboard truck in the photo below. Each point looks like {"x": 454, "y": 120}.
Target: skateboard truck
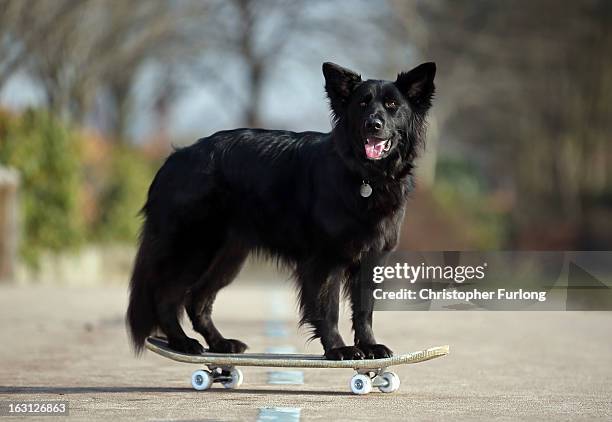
{"x": 229, "y": 377}
{"x": 365, "y": 379}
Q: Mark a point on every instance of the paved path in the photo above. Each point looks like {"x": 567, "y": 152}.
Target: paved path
{"x": 70, "y": 344}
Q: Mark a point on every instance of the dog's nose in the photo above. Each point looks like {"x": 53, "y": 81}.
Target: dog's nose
{"x": 373, "y": 123}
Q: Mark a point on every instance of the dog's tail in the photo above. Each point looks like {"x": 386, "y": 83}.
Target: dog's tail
{"x": 141, "y": 317}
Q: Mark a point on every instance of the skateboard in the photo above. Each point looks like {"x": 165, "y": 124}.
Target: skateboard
{"x": 222, "y": 368}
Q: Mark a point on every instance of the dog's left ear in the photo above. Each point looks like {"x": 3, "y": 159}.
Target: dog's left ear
{"x": 339, "y": 85}
{"x": 417, "y": 85}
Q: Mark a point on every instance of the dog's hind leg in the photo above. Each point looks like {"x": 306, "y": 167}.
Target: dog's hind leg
{"x": 168, "y": 307}
{"x": 319, "y": 305}
{"x": 224, "y": 267}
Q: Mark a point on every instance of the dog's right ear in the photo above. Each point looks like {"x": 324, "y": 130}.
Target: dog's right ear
{"x": 339, "y": 84}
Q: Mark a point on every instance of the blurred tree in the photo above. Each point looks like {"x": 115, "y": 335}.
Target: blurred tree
{"x": 46, "y": 155}
{"x": 80, "y": 49}
{"x": 15, "y": 16}
{"x": 254, "y": 33}
{"x": 527, "y": 87}
{"x": 124, "y": 192}
{"x": 259, "y": 36}
{"x": 87, "y": 55}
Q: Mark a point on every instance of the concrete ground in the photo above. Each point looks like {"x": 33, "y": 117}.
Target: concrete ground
{"x": 63, "y": 343}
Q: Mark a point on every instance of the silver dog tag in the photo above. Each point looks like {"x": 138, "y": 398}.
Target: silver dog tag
{"x": 365, "y": 190}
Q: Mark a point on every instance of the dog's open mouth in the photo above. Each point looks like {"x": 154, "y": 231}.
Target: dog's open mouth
{"x": 376, "y": 147}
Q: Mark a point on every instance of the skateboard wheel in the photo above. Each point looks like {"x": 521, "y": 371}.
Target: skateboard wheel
{"x": 236, "y": 380}
{"x": 392, "y": 382}
{"x": 201, "y": 380}
{"x": 361, "y": 384}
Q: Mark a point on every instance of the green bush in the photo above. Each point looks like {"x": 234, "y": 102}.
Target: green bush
{"x": 46, "y": 154}
{"x": 123, "y": 196}
{"x": 463, "y": 195}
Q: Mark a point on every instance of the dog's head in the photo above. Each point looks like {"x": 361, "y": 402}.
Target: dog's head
{"x": 380, "y": 119}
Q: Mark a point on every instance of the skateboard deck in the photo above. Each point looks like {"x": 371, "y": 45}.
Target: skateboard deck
{"x": 222, "y": 366}
{"x": 272, "y": 360}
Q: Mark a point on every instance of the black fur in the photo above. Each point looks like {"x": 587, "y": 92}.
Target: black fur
{"x": 290, "y": 196}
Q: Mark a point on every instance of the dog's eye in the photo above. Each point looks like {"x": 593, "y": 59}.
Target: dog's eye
{"x": 390, "y": 104}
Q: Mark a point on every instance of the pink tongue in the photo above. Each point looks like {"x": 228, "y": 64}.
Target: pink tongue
{"x": 374, "y": 149}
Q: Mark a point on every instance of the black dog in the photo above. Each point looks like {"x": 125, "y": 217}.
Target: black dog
{"x": 321, "y": 203}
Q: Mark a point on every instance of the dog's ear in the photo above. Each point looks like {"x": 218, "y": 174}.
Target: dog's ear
{"x": 339, "y": 84}
{"x": 417, "y": 85}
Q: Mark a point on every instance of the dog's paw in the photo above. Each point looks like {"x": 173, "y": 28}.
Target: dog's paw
{"x": 375, "y": 351}
{"x": 344, "y": 353}
{"x": 186, "y": 345}
{"x": 228, "y": 345}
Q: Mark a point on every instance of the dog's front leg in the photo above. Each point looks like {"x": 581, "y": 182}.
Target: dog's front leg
{"x": 362, "y": 305}
{"x": 319, "y": 306}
